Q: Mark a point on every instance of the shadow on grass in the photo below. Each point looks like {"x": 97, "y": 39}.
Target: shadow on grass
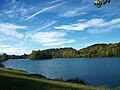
{"x": 76, "y": 80}
{"x": 10, "y": 83}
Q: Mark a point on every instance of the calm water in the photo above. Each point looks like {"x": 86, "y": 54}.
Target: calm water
{"x": 95, "y": 71}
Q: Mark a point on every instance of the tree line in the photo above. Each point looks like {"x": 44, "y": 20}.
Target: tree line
{"x": 96, "y": 50}
{"x": 6, "y": 57}
{"x": 36, "y": 55}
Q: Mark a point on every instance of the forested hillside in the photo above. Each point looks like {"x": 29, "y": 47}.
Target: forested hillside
{"x": 35, "y": 55}
{"x": 62, "y": 52}
{"x": 101, "y": 50}
{"x": 96, "y": 50}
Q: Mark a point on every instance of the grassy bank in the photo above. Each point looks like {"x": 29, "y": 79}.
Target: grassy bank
{"x": 20, "y": 80}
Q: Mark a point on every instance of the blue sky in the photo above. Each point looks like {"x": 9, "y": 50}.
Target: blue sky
{"x": 27, "y": 25}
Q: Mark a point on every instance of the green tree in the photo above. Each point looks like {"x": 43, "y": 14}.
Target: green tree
{"x": 33, "y": 55}
{"x": 37, "y": 55}
{"x": 4, "y": 57}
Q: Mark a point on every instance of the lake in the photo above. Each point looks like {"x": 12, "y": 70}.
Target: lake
{"x": 94, "y": 71}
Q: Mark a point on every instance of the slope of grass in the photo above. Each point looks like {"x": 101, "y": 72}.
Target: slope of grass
{"x": 20, "y": 80}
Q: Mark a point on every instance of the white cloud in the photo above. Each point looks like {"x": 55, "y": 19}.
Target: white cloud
{"x": 47, "y": 24}
{"x": 81, "y": 20}
{"x": 64, "y": 41}
{"x": 11, "y": 30}
{"x": 107, "y": 26}
{"x": 51, "y": 38}
{"x": 43, "y": 10}
{"x": 81, "y": 26}
{"x": 55, "y": 1}
{"x": 13, "y": 1}
{"x": 84, "y": 38}
{"x": 16, "y": 11}
{"x": 12, "y": 50}
{"x": 93, "y": 26}
{"x": 47, "y": 37}
{"x": 44, "y": 26}
{"x": 1, "y": 39}
{"x": 72, "y": 13}
{"x": 69, "y": 11}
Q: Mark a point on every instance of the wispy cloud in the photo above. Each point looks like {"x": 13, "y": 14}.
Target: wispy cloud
{"x": 55, "y": 1}
{"x": 16, "y": 11}
{"x": 81, "y": 20}
{"x": 11, "y": 30}
{"x": 13, "y": 50}
{"x": 93, "y": 26}
{"x": 84, "y": 38}
{"x": 72, "y": 13}
{"x": 81, "y": 26}
{"x": 51, "y": 38}
{"x": 107, "y": 26}
{"x": 44, "y": 26}
{"x": 106, "y": 12}
{"x": 43, "y": 10}
{"x": 64, "y": 41}
{"x": 47, "y": 25}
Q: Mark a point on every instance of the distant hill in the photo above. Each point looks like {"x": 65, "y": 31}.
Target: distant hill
{"x": 60, "y": 52}
{"x": 96, "y": 50}
{"x": 93, "y": 51}
{"x": 101, "y": 50}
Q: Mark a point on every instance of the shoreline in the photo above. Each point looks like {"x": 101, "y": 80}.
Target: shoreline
{"x": 23, "y": 74}
{"x": 58, "y": 79}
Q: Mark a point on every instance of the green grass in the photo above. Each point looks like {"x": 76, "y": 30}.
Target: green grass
{"x": 20, "y": 80}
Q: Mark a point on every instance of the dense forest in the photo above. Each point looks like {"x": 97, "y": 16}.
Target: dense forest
{"x": 6, "y": 57}
{"x": 96, "y": 50}
{"x": 101, "y": 50}
{"x": 35, "y": 55}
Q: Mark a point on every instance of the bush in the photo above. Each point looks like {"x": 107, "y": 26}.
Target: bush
{"x": 77, "y": 80}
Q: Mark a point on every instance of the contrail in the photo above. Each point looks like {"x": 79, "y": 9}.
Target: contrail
{"x": 43, "y": 10}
